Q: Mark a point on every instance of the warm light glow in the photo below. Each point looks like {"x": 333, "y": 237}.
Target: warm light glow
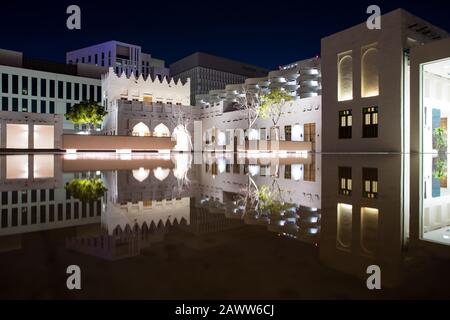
{"x": 161, "y": 130}
{"x": 369, "y": 230}
{"x": 253, "y": 169}
{"x": 43, "y": 166}
{"x": 345, "y": 77}
{"x": 17, "y": 136}
{"x": 253, "y": 134}
{"x": 369, "y": 73}
{"x": 344, "y": 225}
{"x": 183, "y": 138}
{"x": 297, "y": 133}
{"x": 141, "y": 174}
{"x": 221, "y": 164}
{"x": 17, "y": 167}
{"x": 123, "y": 151}
{"x": 44, "y": 137}
{"x": 141, "y": 130}
{"x": 182, "y": 165}
{"x": 297, "y": 172}
{"x": 160, "y": 173}
{"x": 221, "y": 139}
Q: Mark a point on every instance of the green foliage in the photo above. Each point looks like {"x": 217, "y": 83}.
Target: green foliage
{"x": 440, "y": 168}
{"x": 86, "y": 112}
{"x": 270, "y": 200}
{"x": 271, "y": 104}
{"x": 440, "y": 139}
{"x": 86, "y": 189}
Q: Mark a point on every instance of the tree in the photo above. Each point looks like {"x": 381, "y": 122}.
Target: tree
{"x": 249, "y": 102}
{"x": 86, "y": 189}
{"x": 181, "y": 120}
{"x": 86, "y": 112}
{"x": 440, "y": 139}
{"x": 261, "y": 202}
{"x": 271, "y": 106}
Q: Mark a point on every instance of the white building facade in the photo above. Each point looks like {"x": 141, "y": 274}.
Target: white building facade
{"x": 35, "y": 95}
{"x": 144, "y": 107}
{"x": 366, "y": 84}
{"x": 224, "y": 121}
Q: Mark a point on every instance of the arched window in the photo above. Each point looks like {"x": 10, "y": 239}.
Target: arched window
{"x": 221, "y": 139}
{"x": 369, "y": 230}
{"x": 141, "y": 130}
{"x": 161, "y": 130}
{"x": 344, "y": 226}
{"x": 141, "y": 174}
{"x": 369, "y": 72}
{"x": 345, "y": 77}
{"x": 160, "y": 173}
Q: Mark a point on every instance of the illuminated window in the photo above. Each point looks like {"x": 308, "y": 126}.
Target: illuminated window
{"x": 17, "y": 136}
{"x": 370, "y": 183}
{"x": 370, "y": 122}
{"x": 345, "y": 181}
{"x": 44, "y": 137}
{"x": 16, "y": 167}
{"x": 345, "y": 76}
{"x": 345, "y": 124}
{"x": 369, "y": 72}
{"x": 43, "y": 166}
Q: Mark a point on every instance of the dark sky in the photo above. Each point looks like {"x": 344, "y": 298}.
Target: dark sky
{"x": 265, "y": 33}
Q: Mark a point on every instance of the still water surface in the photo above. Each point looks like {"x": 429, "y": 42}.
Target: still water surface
{"x": 224, "y": 227}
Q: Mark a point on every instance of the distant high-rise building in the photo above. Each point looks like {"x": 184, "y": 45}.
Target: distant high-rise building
{"x": 123, "y": 57}
{"x": 208, "y": 72}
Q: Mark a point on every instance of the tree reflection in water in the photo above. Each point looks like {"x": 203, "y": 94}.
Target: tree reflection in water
{"x": 264, "y": 203}
{"x": 86, "y": 189}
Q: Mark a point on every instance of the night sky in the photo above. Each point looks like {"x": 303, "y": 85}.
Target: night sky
{"x": 265, "y": 33}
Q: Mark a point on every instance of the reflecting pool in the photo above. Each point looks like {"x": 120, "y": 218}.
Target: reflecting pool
{"x": 224, "y": 226}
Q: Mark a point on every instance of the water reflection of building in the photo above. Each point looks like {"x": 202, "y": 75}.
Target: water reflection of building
{"x": 298, "y": 177}
{"x": 223, "y": 180}
{"x": 430, "y": 227}
{"x": 127, "y": 238}
{"x": 33, "y": 197}
{"x": 363, "y": 221}
{"x": 209, "y": 218}
{"x": 430, "y": 102}
{"x": 142, "y": 205}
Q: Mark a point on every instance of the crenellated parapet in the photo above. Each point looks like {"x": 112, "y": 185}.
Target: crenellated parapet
{"x": 151, "y": 90}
